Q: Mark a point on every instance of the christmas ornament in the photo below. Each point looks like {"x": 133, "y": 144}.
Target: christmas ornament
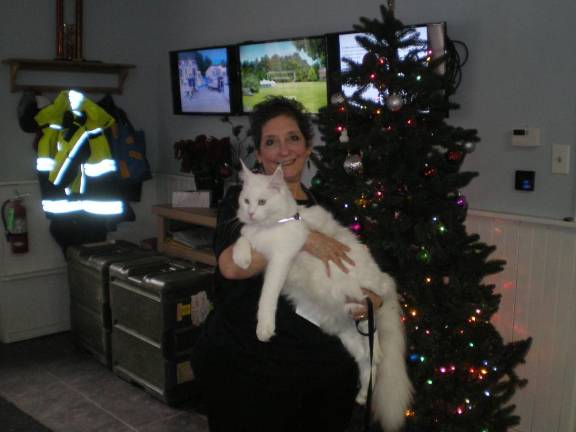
{"x": 362, "y": 201}
{"x": 344, "y": 138}
{"x": 423, "y": 255}
{"x": 355, "y": 227}
{"x": 353, "y": 164}
{"x": 316, "y": 181}
{"x": 429, "y": 171}
{"x": 454, "y": 155}
{"x": 461, "y": 201}
{"x": 394, "y": 102}
{"x": 337, "y": 98}
{"x": 469, "y": 147}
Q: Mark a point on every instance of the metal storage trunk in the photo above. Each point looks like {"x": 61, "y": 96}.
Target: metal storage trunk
{"x": 88, "y": 267}
{"x": 157, "y": 309}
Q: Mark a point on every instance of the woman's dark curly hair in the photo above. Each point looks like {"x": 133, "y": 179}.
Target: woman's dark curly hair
{"x": 274, "y": 106}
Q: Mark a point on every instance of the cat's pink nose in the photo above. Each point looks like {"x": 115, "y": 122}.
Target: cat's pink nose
{"x": 251, "y": 215}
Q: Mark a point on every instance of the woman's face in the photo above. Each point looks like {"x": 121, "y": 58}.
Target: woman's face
{"x": 283, "y": 143}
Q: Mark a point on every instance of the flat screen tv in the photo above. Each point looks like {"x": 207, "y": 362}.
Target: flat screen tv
{"x": 344, "y": 45}
{"x": 204, "y": 80}
{"x": 295, "y": 68}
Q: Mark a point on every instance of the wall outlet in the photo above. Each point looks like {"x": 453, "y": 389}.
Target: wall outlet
{"x": 560, "y": 159}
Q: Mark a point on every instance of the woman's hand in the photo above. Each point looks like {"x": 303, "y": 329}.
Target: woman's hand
{"x": 327, "y": 249}
{"x": 359, "y": 309}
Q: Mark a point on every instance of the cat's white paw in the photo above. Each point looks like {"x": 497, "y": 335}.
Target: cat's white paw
{"x": 362, "y": 396}
{"x": 242, "y": 253}
{"x": 265, "y": 330}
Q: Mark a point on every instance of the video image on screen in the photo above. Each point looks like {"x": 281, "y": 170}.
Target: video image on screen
{"x": 293, "y": 68}
{"x": 352, "y": 50}
{"x": 203, "y": 81}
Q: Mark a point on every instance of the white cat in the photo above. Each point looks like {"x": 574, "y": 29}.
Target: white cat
{"x": 268, "y": 210}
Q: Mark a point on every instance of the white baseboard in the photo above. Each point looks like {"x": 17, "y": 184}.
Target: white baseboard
{"x": 16, "y": 336}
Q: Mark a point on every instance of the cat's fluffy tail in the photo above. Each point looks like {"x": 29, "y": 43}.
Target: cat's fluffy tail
{"x": 392, "y": 391}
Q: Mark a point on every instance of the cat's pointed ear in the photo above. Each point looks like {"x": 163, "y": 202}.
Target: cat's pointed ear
{"x": 278, "y": 173}
{"x": 245, "y": 173}
{"x": 277, "y": 179}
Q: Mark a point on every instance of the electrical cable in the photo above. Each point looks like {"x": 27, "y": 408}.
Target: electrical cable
{"x": 454, "y": 63}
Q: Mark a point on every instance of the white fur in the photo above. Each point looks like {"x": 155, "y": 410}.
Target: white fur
{"x": 302, "y": 278}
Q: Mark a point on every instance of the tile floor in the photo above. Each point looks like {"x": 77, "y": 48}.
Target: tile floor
{"x": 68, "y": 390}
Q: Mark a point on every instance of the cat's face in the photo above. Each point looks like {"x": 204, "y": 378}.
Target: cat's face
{"x": 263, "y": 198}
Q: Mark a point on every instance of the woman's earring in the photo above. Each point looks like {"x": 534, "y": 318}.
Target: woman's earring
{"x": 258, "y": 167}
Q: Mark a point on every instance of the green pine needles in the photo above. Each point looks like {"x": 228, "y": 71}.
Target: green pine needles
{"x": 390, "y": 170}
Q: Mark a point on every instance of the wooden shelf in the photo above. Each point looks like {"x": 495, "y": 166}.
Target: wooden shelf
{"x": 172, "y": 248}
{"x": 192, "y": 215}
{"x": 18, "y": 64}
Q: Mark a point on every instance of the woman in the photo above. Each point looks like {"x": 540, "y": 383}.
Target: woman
{"x": 303, "y": 379}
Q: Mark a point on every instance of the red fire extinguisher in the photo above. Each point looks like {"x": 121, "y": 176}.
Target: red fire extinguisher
{"x": 14, "y": 220}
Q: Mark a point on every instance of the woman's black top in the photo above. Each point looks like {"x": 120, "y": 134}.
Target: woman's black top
{"x": 299, "y": 348}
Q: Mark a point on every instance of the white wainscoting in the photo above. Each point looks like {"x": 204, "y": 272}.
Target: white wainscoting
{"x": 33, "y": 286}
{"x": 34, "y": 304}
{"x": 538, "y": 287}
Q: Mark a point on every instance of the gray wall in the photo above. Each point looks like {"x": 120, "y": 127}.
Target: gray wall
{"x": 519, "y": 74}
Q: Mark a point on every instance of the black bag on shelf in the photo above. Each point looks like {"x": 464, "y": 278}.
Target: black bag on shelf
{"x": 157, "y": 313}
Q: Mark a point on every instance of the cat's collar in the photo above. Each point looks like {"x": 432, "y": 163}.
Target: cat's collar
{"x": 295, "y": 218}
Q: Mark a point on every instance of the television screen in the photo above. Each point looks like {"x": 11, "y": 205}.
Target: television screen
{"x": 203, "y": 81}
{"x": 345, "y": 45}
{"x": 295, "y": 68}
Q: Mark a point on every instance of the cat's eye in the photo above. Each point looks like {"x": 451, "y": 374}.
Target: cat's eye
{"x": 261, "y": 202}
{"x": 246, "y": 200}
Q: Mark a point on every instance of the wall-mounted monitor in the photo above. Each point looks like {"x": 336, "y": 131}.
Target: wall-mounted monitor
{"x": 204, "y": 80}
{"x": 294, "y": 68}
{"x": 345, "y": 45}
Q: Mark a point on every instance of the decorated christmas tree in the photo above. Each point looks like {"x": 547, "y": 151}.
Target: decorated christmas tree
{"x": 390, "y": 170}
